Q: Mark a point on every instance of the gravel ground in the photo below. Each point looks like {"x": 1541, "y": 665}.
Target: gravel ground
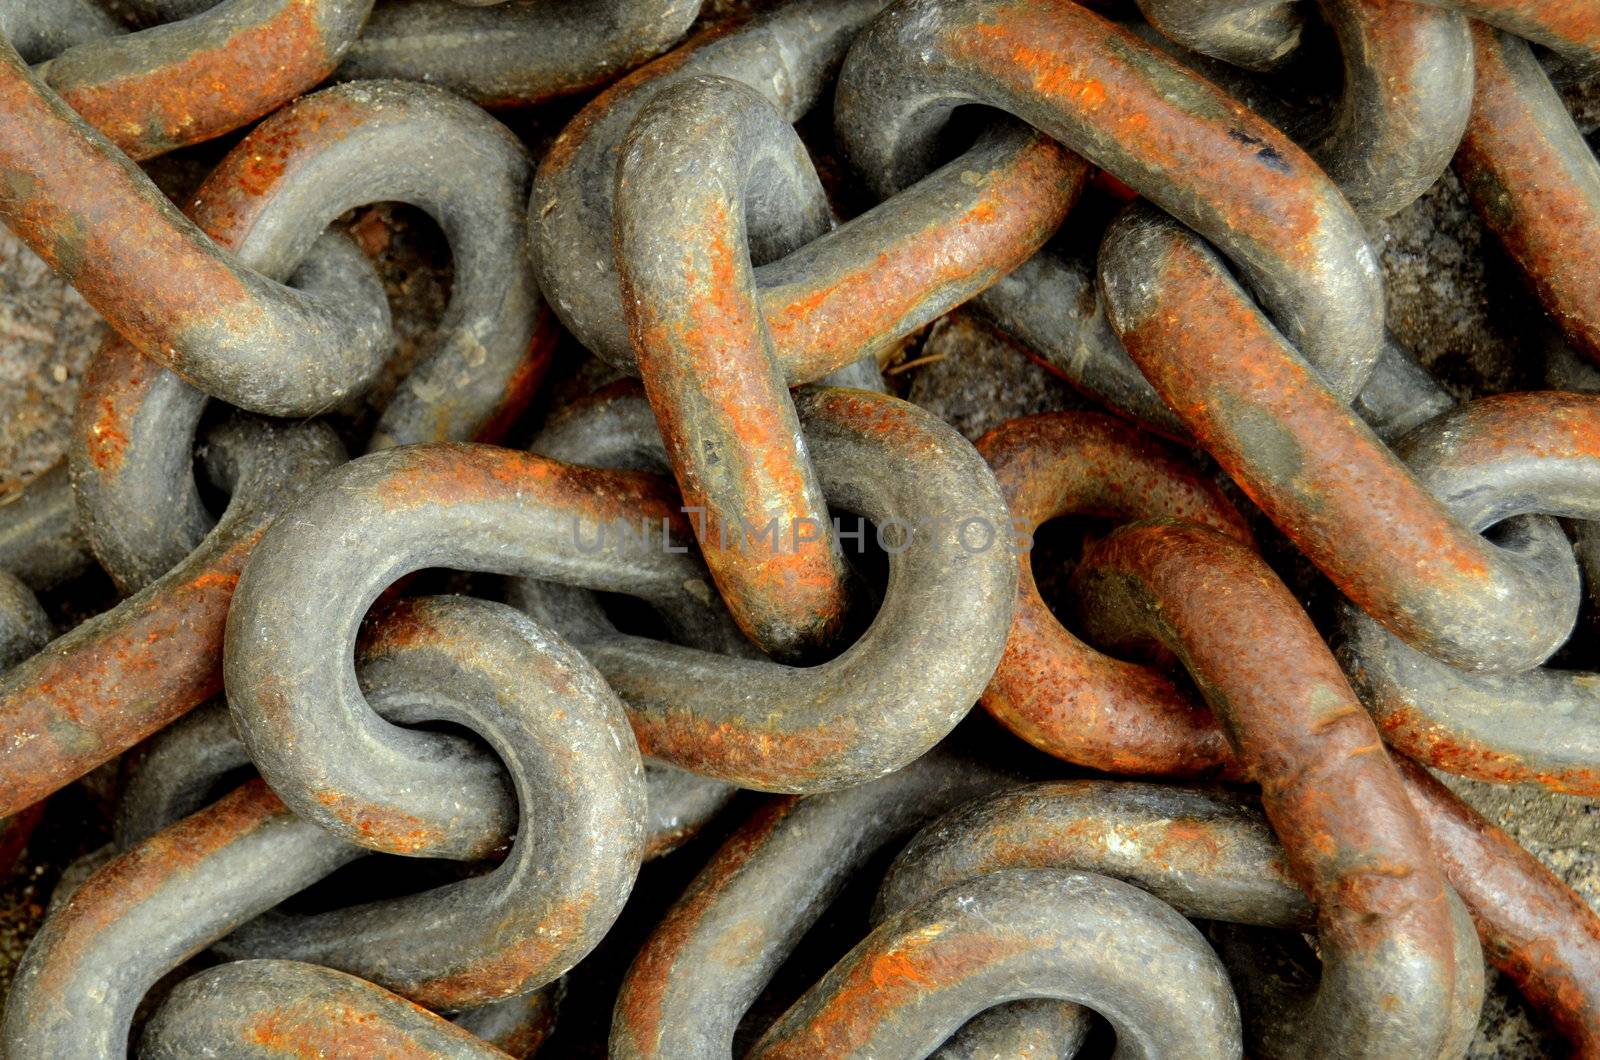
{"x": 1453, "y": 299}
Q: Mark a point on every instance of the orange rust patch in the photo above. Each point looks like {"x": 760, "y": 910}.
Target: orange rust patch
{"x": 379, "y": 828}
{"x": 127, "y": 881}
{"x": 822, "y": 325}
{"x": 208, "y": 91}
{"x": 115, "y": 680}
{"x": 1094, "y": 72}
{"x": 641, "y": 1004}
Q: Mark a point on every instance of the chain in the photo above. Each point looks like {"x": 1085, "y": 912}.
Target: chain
{"x": 621, "y": 683}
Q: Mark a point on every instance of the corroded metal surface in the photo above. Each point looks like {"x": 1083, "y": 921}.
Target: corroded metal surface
{"x": 267, "y": 204}
{"x": 1062, "y": 696}
{"x": 100, "y": 688}
{"x": 932, "y": 647}
{"x": 1318, "y": 472}
{"x": 1505, "y": 461}
{"x": 1161, "y": 130}
{"x": 90, "y": 213}
{"x": 1534, "y": 181}
{"x": 857, "y": 289}
{"x": 1041, "y": 933}
{"x": 216, "y": 68}
{"x": 286, "y": 1008}
{"x": 466, "y": 793}
{"x": 719, "y": 394}
{"x": 1352, "y": 839}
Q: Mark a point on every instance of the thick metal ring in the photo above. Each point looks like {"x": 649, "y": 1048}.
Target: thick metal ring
{"x": 1316, "y": 470}
{"x": 99, "y": 689}
{"x": 1165, "y": 132}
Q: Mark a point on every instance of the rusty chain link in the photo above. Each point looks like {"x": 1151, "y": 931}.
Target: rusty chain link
{"x": 630, "y": 652}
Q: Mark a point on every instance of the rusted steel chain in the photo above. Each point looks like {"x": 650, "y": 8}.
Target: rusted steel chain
{"x": 1316, "y": 470}
{"x": 886, "y": 699}
{"x": 1533, "y": 927}
{"x": 906, "y": 681}
{"x": 117, "y": 678}
{"x": 266, "y": 203}
{"x": 492, "y": 509}
{"x": 1568, "y": 29}
{"x": 177, "y": 771}
{"x": 745, "y": 913}
{"x": 1407, "y": 85}
{"x": 576, "y": 774}
{"x": 1050, "y": 304}
{"x": 1405, "y": 102}
{"x": 702, "y": 156}
{"x": 615, "y": 428}
{"x": 148, "y": 911}
{"x": 1535, "y": 182}
{"x": 577, "y": 816}
{"x": 1332, "y": 795}
{"x": 1018, "y": 932}
{"x": 1209, "y": 854}
{"x": 1162, "y": 130}
{"x": 1051, "y": 689}
{"x": 131, "y": 452}
{"x": 855, "y": 290}
{"x": 188, "y": 81}
{"x": 518, "y": 1025}
{"x": 1259, "y": 33}
{"x": 519, "y": 52}
{"x": 275, "y": 1008}
{"x": 1472, "y": 851}
{"x": 1495, "y": 462}
{"x": 545, "y": 749}
{"x": 95, "y": 218}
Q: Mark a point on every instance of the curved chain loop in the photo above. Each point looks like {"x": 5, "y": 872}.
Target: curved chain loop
{"x": 1511, "y": 896}
{"x": 1037, "y": 933}
{"x": 576, "y": 773}
{"x": 855, "y": 290}
{"x": 1317, "y": 471}
{"x": 1534, "y": 182}
{"x": 1050, "y": 687}
{"x": 268, "y": 202}
{"x": 683, "y": 255}
{"x": 405, "y": 729}
{"x": 933, "y": 645}
{"x": 122, "y": 675}
{"x": 1496, "y": 462}
{"x": 249, "y": 1008}
{"x": 1209, "y": 854}
{"x": 1162, "y": 130}
{"x": 94, "y": 217}
{"x": 744, "y": 914}
{"x": 1331, "y": 793}
{"x": 1259, "y": 33}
